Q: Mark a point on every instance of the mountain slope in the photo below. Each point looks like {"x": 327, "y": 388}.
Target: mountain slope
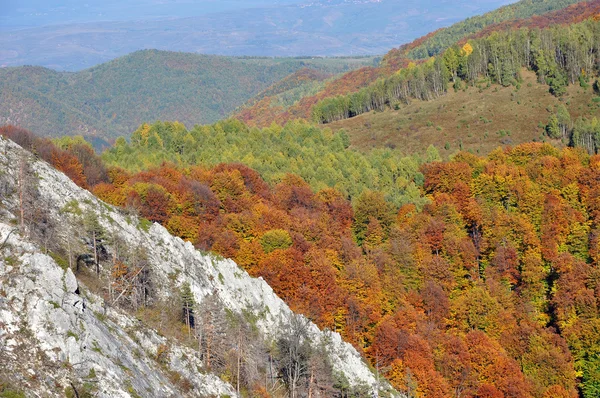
{"x": 477, "y": 120}
{"x": 523, "y": 9}
{"x": 56, "y": 338}
{"x": 460, "y": 282}
{"x": 575, "y": 13}
{"x": 112, "y": 99}
{"x": 267, "y": 109}
{"x": 80, "y": 324}
{"x": 518, "y": 15}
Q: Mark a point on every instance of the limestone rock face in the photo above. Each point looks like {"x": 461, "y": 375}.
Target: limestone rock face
{"x": 51, "y": 336}
{"x": 54, "y": 332}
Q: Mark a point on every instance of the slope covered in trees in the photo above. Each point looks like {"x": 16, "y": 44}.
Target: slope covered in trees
{"x": 446, "y": 37}
{"x": 475, "y": 277}
{"x": 516, "y": 15}
{"x": 112, "y": 99}
{"x": 560, "y": 56}
{"x": 317, "y": 155}
{"x": 490, "y": 289}
{"x": 269, "y": 109}
{"x": 574, "y": 13}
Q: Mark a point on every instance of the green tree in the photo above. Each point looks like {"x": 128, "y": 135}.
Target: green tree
{"x": 553, "y": 128}
{"x": 558, "y": 84}
{"x": 370, "y": 205}
{"x": 275, "y": 239}
{"x": 450, "y": 59}
{"x": 188, "y": 303}
{"x": 564, "y": 121}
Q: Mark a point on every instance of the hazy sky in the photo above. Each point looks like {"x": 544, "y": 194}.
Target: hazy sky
{"x": 27, "y": 13}
{"x": 77, "y": 34}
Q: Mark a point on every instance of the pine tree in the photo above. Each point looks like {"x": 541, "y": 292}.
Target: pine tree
{"x": 188, "y": 305}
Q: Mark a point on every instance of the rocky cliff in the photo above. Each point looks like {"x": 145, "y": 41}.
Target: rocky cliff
{"x": 65, "y": 333}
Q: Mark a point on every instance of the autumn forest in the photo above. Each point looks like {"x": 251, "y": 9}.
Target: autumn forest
{"x": 473, "y": 275}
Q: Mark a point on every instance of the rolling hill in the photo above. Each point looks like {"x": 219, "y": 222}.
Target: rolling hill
{"x": 112, "y": 99}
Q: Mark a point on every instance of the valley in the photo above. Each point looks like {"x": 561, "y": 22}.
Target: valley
{"x": 235, "y": 28}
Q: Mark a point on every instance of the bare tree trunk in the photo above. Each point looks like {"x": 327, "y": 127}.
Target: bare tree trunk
{"x": 187, "y": 320}
{"x": 21, "y": 203}
{"x": 310, "y": 382}
{"x": 208, "y": 348}
{"x": 96, "y": 254}
{"x": 239, "y": 359}
{"x": 6, "y": 239}
{"x": 131, "y": 284}
{"x": 69, "y": 248}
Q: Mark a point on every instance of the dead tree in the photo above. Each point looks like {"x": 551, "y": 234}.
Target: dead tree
{"x": 294, "y": 353}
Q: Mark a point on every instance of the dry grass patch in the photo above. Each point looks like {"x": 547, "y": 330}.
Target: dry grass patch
{"x": 478, "y": 120}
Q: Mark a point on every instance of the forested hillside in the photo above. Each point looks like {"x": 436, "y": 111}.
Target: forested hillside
{"x": 114, "y": 98}
{"x": 482, "y": 284}
{"x": 410, "y": 211}
{"x": 560, "y": 56}
{"x": 319, "y": 156}
{"x": 577, "y": 12}
{"x": 446, "y": 37}
{"x": 270, "y": 109}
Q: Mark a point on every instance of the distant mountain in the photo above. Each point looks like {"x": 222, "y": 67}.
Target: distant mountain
{"x": 262, "y": 28}
{"x": 112, "y": 99}
{"x": 36, "y": 13}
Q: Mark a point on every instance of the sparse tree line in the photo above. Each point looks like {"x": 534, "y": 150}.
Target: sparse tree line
{"x": 560, "y": 55}
{"x": 583, "y": 132}
{"x": 230, "y": 345}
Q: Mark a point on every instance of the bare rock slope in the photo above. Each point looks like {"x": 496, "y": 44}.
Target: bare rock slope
{"x": 56, "y": 335}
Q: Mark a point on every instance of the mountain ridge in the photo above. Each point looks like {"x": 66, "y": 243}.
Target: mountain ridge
{"x": 112, "y": 99}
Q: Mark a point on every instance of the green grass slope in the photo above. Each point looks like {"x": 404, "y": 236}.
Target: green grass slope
{"x": 112, "y": 99}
